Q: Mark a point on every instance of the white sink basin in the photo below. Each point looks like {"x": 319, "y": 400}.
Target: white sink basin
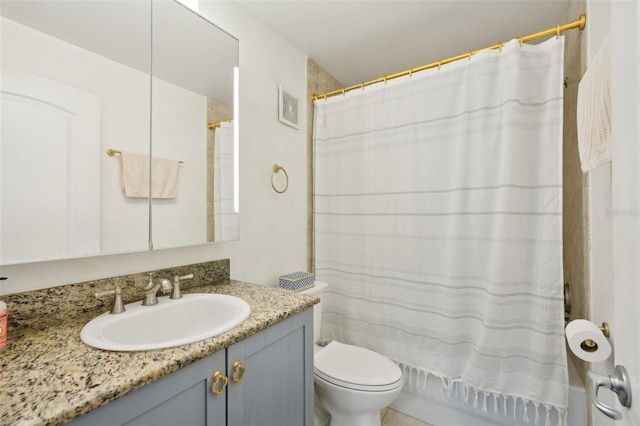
{"x": 170, "y": 323}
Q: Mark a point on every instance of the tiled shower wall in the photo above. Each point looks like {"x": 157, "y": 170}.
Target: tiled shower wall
{"x": 575, "y": 184}
{"x": 318, "y": 81}
{"x": 216, "y": 112}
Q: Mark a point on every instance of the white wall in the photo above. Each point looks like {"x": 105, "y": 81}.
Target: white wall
{"x": 272, "y": 226}
{"x": 179, "y": 133}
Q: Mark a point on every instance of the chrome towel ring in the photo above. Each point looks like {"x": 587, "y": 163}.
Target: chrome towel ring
{"x": 276, "y": 169}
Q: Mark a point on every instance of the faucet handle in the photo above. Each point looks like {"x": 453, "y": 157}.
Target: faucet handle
{"x": 118, "y": 306}
{"x": 177, "y": 293}
{"x": 150, "y": 284}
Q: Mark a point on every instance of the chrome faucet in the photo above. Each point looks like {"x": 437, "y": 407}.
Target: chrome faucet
{"x": 151, "y": 290}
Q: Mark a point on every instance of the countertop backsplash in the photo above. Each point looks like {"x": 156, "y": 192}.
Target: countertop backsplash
{"x": 52, "y": 302}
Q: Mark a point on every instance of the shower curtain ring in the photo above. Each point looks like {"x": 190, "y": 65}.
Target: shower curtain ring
{"x": 557, "y": 32}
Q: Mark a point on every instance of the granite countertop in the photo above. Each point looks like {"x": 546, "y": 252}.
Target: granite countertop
{"x": 49, "y": 376}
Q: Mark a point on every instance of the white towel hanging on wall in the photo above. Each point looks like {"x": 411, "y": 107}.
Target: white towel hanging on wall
{"x": 594, "y": 110}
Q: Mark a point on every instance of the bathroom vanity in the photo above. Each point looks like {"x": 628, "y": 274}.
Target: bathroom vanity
{"x": 260, "y": 380}
{"x": 51, "y": 377}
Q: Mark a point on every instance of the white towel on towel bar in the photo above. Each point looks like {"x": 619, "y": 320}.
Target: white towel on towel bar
{"x": 594, "y": 111}
{"x": 135, "y": 176}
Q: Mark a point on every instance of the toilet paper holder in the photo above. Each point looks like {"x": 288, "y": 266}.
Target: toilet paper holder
{"x": 591, "y": 346}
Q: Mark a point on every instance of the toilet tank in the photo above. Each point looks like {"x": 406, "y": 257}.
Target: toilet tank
{"x": 317, "y": 289}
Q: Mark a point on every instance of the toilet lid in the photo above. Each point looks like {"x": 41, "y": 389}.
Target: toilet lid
{"x": 356, "y": 368}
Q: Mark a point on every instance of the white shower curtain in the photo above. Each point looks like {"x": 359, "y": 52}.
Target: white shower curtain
{"x": 438, "y": 225}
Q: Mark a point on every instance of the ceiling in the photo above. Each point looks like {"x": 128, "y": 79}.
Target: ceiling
{"x": 360, "y": 40}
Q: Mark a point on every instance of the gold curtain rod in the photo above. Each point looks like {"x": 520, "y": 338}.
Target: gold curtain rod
{"x": 212, "y": 126}
{"x": 578, "y": 23}
{"x": 112, "y": 152}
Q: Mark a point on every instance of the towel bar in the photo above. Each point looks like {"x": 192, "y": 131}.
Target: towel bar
{"x": 112, "y": 152}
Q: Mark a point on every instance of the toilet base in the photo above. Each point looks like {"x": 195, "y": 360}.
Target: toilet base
{"x": 364, "y": 419}
{"x": 321, "y": 417}
{"x": 348, "y": 407}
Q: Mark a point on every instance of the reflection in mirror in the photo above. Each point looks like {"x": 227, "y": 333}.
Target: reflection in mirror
{"x": 192, "y": 116}
{"x": 75, "y": 81}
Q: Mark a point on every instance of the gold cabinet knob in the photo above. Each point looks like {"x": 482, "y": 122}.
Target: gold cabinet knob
{"x": 219, "y": 383}
{"x": 238, "y": 372}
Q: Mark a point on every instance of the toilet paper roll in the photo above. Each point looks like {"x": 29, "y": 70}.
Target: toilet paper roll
{"x": 587, "y": 341}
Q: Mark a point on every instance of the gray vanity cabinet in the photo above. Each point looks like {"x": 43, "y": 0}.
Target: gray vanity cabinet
{"x": 270, "y": 383}
{"x": 277, "y": 388}
{"x": 181, "y": 398}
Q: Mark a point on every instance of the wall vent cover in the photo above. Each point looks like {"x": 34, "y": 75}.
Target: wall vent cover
{"x": 288, "y": 109}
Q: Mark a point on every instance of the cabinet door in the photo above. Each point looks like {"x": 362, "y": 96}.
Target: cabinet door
{"x": 182, "y": 398}
{"x": 277, "y": 381}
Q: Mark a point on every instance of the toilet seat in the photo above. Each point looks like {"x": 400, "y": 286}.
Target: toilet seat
{"x": 356, "y": 368}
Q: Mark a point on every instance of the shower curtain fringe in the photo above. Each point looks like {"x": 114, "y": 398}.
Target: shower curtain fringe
{"x": 578, "y": 23}
{"x": 532, "y": 411}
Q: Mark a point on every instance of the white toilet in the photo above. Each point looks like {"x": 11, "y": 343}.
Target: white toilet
{"x": 351, "y": 383}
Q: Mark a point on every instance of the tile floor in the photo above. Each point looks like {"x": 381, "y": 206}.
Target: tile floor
{"x": 391, "y": 417}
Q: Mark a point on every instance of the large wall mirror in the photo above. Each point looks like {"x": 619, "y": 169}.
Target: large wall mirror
{"x": 135, "y": 79}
